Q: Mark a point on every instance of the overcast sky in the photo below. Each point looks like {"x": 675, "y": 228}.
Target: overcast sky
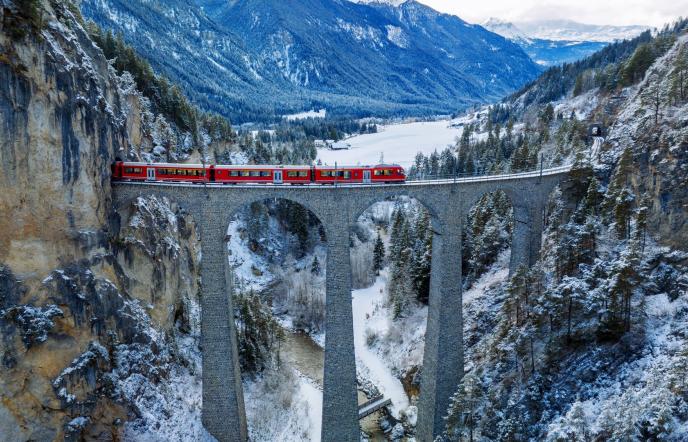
{"x": 613, "y": 12}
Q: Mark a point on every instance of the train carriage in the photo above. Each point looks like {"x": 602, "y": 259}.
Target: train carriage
{"x": 180, "y": 172}
{"x": 258, "y": 174}
{"x": 388, "y": 173}
{"x": 262, "y": 174}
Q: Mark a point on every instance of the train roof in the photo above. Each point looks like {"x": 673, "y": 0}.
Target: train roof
{"x": 252, "y": 166}
{"x": 356, "y": 167}
{"x": 134, "y": 163}
{"x": 217, "y": 166}
{"x": 260, "y": 166}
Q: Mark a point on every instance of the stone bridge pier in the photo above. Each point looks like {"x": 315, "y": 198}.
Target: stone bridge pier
{"x": 338, "y": 208}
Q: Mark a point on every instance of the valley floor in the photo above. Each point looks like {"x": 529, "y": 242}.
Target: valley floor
{"x": 397, "y": 143}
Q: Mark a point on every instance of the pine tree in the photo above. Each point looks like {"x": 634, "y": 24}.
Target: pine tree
{"x": 573, "y": 292}
{"x": 315, "y": 267}
{"x": 623, "y": 280}
{"x": 653, "y": 96}
{"x": 378, "y": 255}
{"x": 640, "y": 232}
{"x": 593, "y": 197}
{"x": 422, "y": 257}
{"x": 637, "y": 65}
{"x": 622, "y": 212}
{"x": 462, "y": 416}
{"x": 679, "y": 76}
{"x": 618, "y": 181}
{"x": 578, "y": 423}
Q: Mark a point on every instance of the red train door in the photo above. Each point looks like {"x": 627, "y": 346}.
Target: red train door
{"x": 277, "y": 177}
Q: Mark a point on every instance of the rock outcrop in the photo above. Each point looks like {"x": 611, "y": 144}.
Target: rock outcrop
{"x": 659, "y": 145}
{"x": 96, "y": 306}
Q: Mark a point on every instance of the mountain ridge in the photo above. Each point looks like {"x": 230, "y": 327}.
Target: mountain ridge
{"x": 256, "y": 60}
{"x": 554, "y": 42}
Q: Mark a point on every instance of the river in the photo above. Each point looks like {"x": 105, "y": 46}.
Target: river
{"x": 301, "y": 352}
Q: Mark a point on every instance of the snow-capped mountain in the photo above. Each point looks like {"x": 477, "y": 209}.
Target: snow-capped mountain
{"x": 554, "y": 42}
{"x": 385, "y": 2}
{"x": 569, "y": 30}
{"x": 506, "y": 29}
{"x": 255, "y": 59}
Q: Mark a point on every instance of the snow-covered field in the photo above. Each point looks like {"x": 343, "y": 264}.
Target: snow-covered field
{"x": 309, "y": 114}
{"x": 397, "y": 143}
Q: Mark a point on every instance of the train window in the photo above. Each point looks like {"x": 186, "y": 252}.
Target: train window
{"x": 292, "y": 173}
{"x": 303, "y": 173}
{"x": 254, "y": 173}
{"x": 128, "y": 170}
{"x": 346, "y": 174}
{"x": 327, "y": 173}
{"x": 377, "y": 172}
{"x": 245, "y": 173}
{"x": 264, "y": 173}
{"x": 234, "y": 173}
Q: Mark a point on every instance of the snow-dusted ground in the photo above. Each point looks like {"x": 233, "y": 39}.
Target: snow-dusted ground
{"x": 647, "y": 384}
{"x": 322, "y": 113}
{"x": 369, "y": 313}
{"x": 250, "y": 269}
{"x": 281, "y": 405}
{"x": 496, "y": 274}
{"x": 312, "y": 395}
{"x": 398, "y": 143}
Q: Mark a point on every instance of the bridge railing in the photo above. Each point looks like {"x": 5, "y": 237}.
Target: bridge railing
{"x": 463, "y": 177}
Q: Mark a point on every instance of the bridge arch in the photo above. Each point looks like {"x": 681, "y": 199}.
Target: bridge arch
{"x": 366, "y": 201}
{"x": 290, "y": 292}
{"x": 392, "y": 292}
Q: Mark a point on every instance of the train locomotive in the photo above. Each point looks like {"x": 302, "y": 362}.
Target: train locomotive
{"x": 257, "y": 174}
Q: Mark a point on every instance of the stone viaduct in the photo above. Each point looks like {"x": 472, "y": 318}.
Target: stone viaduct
{"x": 338, "y": 208}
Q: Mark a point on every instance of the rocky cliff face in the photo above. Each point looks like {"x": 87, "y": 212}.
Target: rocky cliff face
{"x": 656, "y": 128}
{"x": 96, "y": 306}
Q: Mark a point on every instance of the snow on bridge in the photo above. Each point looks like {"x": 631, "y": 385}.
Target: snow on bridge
{"x": 373, "y": 405}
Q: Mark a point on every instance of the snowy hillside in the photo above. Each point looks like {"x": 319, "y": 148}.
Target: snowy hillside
{"x": 255, "y": 60}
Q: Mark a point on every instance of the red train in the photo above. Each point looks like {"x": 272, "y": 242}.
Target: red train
{"x": 259, "y": 174}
